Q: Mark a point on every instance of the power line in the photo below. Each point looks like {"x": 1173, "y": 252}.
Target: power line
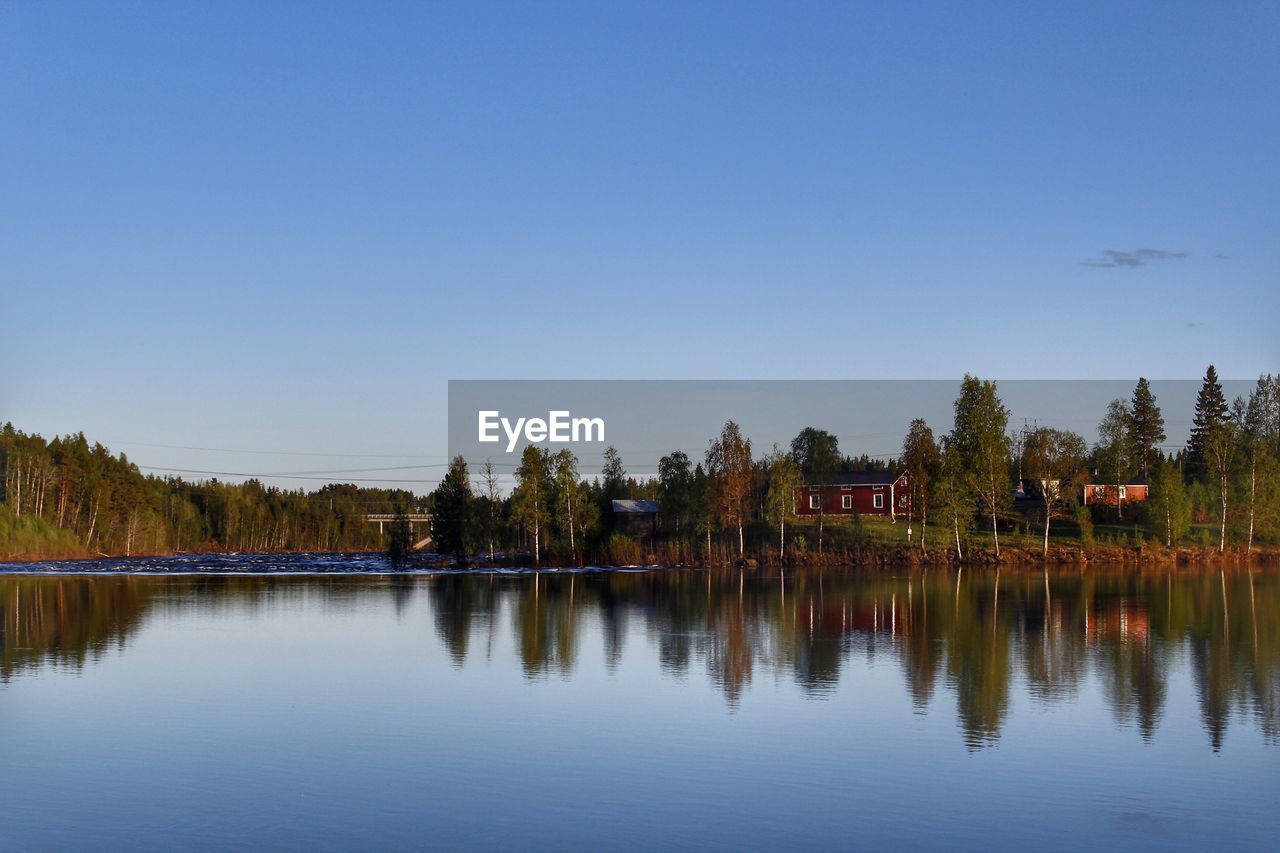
{"x": 106, "y": 442}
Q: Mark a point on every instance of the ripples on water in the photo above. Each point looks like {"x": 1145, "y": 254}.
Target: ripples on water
{"x": 1098, "y": 694}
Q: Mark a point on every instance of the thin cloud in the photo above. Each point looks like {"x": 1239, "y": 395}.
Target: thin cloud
{"x": 1196, "y": 325}
{"x": 1113, "y": 259}
{"x": 1221, "y": 257}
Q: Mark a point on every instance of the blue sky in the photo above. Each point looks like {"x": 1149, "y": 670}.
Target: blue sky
{"x": 285, "y": 226}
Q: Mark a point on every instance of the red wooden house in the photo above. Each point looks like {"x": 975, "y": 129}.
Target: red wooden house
{"x": 861, "y": 493}
{"x": 1109, "y": 494}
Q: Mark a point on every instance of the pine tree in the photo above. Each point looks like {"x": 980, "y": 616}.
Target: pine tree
{"x": 451, "y": 509}
{"x": 1146, "y": 426}
{"x": 1211, "y": 412}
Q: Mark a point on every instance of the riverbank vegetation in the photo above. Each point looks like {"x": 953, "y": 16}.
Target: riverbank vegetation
{"x": 69, "y": 498}
{"x": 981, "y": 491}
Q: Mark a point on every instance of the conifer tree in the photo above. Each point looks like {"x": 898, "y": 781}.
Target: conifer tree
{"x": 451, "y": 509}
{"x": 1146, "y": 427}
{"x": 1211, "y": 413}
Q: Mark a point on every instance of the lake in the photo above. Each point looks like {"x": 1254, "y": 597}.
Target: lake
{"x": 321, "y": 704}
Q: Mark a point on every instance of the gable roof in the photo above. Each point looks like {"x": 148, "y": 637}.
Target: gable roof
{"x": 640, "y": 506}
{"x": 860, "y": 478}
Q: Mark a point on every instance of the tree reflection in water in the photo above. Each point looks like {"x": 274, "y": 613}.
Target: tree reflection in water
{"x": 975, "y": 636}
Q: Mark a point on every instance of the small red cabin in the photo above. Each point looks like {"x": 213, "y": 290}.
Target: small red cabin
{"x": 862, "y": 493}
{"x": 1109, "y": 494}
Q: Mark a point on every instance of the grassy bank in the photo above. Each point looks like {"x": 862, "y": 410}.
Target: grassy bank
{"x": 29, "y": 538}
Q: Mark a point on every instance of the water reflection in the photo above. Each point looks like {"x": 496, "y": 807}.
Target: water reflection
{"x": 979, "y": 640}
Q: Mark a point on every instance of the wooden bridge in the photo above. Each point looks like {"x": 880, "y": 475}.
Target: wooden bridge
{"x": 384, "y": 518}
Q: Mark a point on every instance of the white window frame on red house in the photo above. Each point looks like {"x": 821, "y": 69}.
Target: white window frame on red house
{"x": 846, "y": 501}
{"x": 877, "y": 501}
{"x": 815, "y": 501}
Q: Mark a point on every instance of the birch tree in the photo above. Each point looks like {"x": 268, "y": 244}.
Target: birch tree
{"x": 493, "y": 501}
{"x": 979, "y": 440}
{"x": 729, "y": 469}
{"x": 1218, "y": 445}
{"x": 530, "y": 502}
{"x": 572, "y": 507}
{"x": 1054, "y": 460}
{"x": 784, "y": 479}
{"x": 922, "y": 461}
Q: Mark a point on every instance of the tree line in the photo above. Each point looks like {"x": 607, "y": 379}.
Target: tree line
{"x": 973, "y": 485}
{"x": 70, "y": 497}
{"x": 980, "y": 477}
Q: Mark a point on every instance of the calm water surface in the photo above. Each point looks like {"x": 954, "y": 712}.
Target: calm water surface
{"x": 652, "y": 709}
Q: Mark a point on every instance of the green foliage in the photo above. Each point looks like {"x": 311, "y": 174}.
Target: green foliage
{"x": 816, "y": 452}
{"x": 1115, "y": 453}
{"x": 922, "y": 460}
{"x": 784, "y": 479}
{"x": 954, "y": 500}
{"x": 451, "y": 510}
{"x": 624, "y": 550}
{"x": 613, "y": 475}
{"x": 1084, "y": 520}
{"x": 102, "y": 503}
{"x": 730, "y": 475}
{"x": 400, "y": 540}
{"x": 573, "y": 510}
{"x": 676, "y": 480}
{"x": 531, "y": 500}
{"x": 980, "y": 445}
{"x": 1146, "y": 428}
{"x": 1167, "y": 511}
{"x": 1211, "y": 411}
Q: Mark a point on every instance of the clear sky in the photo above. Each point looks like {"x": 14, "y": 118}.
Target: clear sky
{"x": 284, "y": 226}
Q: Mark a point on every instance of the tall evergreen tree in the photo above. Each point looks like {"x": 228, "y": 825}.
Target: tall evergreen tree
{"x": 1146, "y": 427}
{"x": 451, "y": 509}
{"x": 613, "y": 474}
{"x": 1211, "y": 413}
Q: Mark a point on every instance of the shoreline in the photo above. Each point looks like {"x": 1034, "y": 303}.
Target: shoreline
{"x": 882, "y": 558}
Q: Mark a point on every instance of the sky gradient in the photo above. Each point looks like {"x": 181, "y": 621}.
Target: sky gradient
{"x": 285, "y": 226}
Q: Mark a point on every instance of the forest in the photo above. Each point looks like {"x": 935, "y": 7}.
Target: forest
{"x": 980, "y": 485}
{"x": 69, "y": 498}
{"x": 977, "y": 487}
